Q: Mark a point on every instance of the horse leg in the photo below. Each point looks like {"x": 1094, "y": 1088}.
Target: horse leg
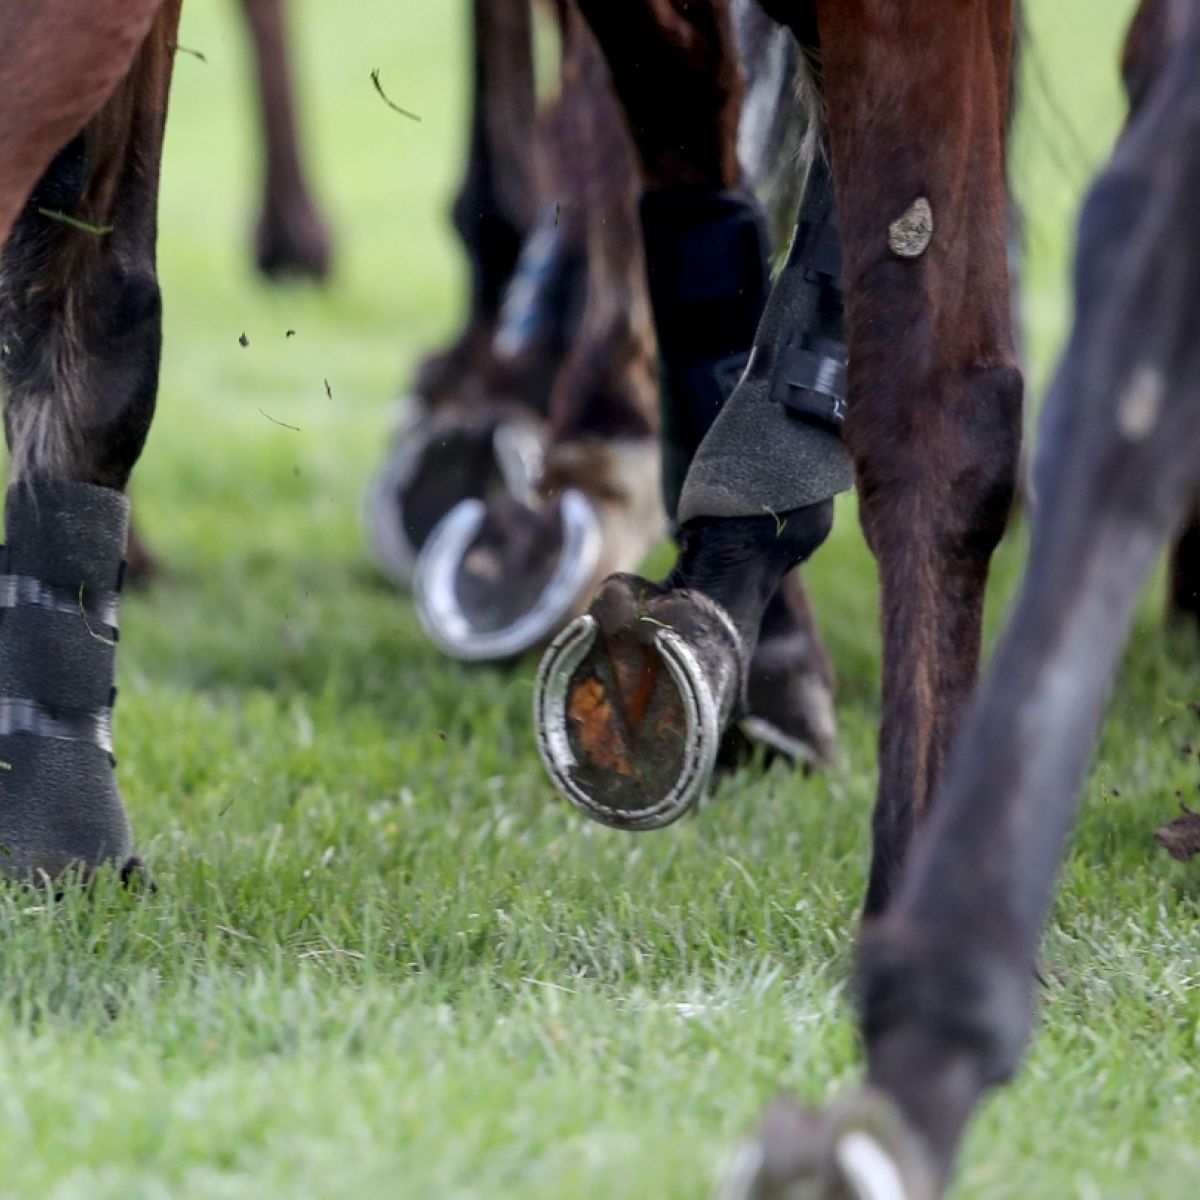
{"x": 471, "y": 422}
{"x": 291, "y": 237}
{"x": 500, "y": 577}
{"x": 632, "y": 699}
{"x": 946, "y": 977}
{"x": 80, "y": 323}
{"x": 1183, "y": 579}
{"x": 1146, "y": 48}
{"x": 934, "y": 416}
{"x": 494, "y": 208}
{"x": 61, "y": 61}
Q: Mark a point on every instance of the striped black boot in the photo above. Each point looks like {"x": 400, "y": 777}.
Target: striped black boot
{"x": 59, "y": 805}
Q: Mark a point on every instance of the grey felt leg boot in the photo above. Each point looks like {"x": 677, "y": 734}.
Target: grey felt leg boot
{"x": 776, "y": 444}
{"x": 59, "y": 805}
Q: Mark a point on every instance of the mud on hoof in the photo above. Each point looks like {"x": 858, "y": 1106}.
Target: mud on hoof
{"x": 437, "y": 460}
{"x": 860, "y": 1150}
{"x": 631, "y": 699}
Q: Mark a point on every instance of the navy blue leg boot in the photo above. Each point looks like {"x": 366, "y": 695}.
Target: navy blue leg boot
{"x": 706, "y": 260}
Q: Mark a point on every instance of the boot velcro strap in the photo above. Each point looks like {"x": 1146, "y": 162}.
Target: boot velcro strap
{"x": 810, "y": 380}
{"x": 97, "y": 607}
{"x": 18, "y": 715}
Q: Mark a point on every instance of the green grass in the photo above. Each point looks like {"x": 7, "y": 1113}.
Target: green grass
{"x": 384, "y": 960}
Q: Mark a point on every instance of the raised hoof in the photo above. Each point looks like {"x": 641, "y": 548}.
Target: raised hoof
{"x": 631, "y": 699}
{"x": 861, "y": 1150}
{"x": 436, "y": 462}
{"x": 494, "y": 580}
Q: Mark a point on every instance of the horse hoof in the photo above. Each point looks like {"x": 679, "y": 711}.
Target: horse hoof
{"x": 630, "y": 701}
{"x": 434, "y": 464}
{"x": 789, "y": 704}
{"x": 494, "y": 580}
{"x": 293, "y": 244}
{"x": 863, "y": 1150}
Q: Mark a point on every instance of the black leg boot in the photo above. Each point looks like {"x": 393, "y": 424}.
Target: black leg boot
{"x": 59, "y": 805}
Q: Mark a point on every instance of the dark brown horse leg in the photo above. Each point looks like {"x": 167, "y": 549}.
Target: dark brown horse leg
{"x": 142, "y": 566}
{"x": 292, "y": 237}
{"x": 946, "y": 977}
{"x": 935, "y": 397}
{"x": 469, "y": 422}
{"x": 520, "y": 567}
{"x": 80, "y": 317}
{"x": 1145, "y": 53}
{"x": 495, "y": 205}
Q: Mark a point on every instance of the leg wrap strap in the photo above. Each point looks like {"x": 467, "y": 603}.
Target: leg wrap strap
{"x": 706, "y": 259}
{"x": 59, "y": 803}
{"x": 776, "y": 445}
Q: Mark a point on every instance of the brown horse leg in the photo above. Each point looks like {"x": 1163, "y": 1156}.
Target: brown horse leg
{"x": 1183, "y": 579}
{"x": 80, "y": 317}
{"x": 946, "y": 977}
{"x": 291, "y": 237}
{"x": 1146, "y": 49}
{"x": 61, "y": 61}
{"x": 470, "y": 420}
{"x": 142, "y": 566}
{"x": 935, "y": 398}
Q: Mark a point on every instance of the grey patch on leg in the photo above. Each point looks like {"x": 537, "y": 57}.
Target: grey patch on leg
{"x": 909, "y": 236}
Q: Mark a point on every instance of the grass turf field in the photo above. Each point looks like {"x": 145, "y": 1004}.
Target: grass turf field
{"x": 384, "y": 960}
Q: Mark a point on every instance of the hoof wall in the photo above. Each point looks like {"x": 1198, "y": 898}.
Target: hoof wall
{"x": 495, "y": 580}
{"x": 630, "y": 702}
{"x": 862, "y": 1150}
{"x": 435, "y": 463}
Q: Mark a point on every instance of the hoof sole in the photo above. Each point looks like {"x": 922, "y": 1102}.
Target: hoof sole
{"x": 629, "y": 708}
{"x": 448, "y": 619}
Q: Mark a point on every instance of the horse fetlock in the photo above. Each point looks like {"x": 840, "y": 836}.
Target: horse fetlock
{"x": 58, "y": 629}
{"x": 739, "y": 562}
{"x": 952, "y": 1007}
{"x": 292, "y": 240}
